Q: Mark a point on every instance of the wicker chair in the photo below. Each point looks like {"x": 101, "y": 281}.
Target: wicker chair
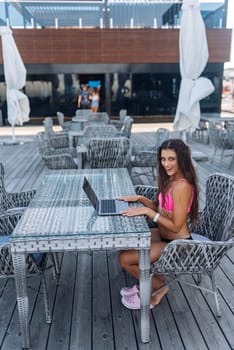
{"x": 150, "y": 192}
{"x": 57, "y": 139}
{"x": 220, "y": 139}
{"x": 201, "y": 134}
{"x": 100, "y": 131}
{"x": 127, "y": 127}
{"x": 230, "y": 133}
{"x": 56, "y": 158}
{"x": 118, "y": 124}
{"x": 145, "y": 156}
{"x": 213, "y": 237}
{"x": 36, "y": 263}
{"x": 108, "y": 152}
{"x": 47, "y": 148}
{"x": 13, "y": 202}
{"x": 61, "y": 161}
{"x": 98, "y": 118}
{"x": 64, "y": 125}
{"x": 83, "y": 112}
{"x": 9, "y": 221}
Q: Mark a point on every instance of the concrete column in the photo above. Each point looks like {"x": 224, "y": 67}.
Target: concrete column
{"x": 107, "y": 94}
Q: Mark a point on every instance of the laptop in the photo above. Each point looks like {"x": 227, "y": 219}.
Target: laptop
{"x": 103, "y": 206}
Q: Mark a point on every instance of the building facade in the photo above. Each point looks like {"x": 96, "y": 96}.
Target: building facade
{"x": 131, "y": 47}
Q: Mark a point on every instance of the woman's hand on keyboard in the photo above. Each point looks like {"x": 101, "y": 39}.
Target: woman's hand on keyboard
{"x": 134, "y": 198}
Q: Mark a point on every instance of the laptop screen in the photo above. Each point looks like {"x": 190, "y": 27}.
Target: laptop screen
{"x": 90, "y": 193}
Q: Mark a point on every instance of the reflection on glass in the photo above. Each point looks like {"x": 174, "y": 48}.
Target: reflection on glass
{"x": 141, "y": 94}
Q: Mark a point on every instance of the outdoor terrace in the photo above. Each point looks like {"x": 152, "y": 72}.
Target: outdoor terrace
{"x": 87, "y": 313}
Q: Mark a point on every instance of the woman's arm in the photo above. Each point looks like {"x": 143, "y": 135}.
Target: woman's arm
{"x": 138, "y": 198}
{"x": 181, "y": 195}
{"x": 79, "y": 100}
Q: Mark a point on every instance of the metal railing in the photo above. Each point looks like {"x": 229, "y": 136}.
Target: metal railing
{"x": 106, "y": 14}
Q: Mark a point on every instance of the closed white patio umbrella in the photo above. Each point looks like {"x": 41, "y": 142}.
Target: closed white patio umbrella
{"x": 193, "y": 59}
{"x": 15, "y": 76}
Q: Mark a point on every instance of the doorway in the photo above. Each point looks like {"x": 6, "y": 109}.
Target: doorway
{"x": 93, "y": 80}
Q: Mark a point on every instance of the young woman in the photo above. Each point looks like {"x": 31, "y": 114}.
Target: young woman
{"x": 95, "y": 100}
{"x": 177, "y": 199}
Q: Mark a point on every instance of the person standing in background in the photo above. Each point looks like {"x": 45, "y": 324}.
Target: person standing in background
{"x": 84, "y": 98}
{"x": 95, "y": 100}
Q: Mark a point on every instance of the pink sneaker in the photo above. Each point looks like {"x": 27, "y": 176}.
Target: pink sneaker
{"x": 128, "y": 291}
{"x": 133, "y": 302}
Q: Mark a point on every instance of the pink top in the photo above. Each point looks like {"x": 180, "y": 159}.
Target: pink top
{"x": 168, "y": 204}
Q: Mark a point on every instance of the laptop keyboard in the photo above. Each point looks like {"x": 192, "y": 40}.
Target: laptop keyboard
{"x": 108, "y": 206}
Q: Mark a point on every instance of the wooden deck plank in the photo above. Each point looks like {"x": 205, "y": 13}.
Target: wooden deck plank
{"x": 12, "y": 338}
{"x": 205, "y": 318}
{"x": 102, "y": 316}
{"x": 61, "y": 325}
{"x": 186, "y": 323}
{"x": 124, "y": 330}
{"x": 226, "y": 321}
{"x": 81, "y": 330}
{"x": 8, "y": 304}
{"x": 93, "y": 318}
{"x": 165, "y": 325}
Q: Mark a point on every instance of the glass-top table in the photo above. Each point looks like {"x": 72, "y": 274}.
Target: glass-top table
{"x": 61, "y": 218}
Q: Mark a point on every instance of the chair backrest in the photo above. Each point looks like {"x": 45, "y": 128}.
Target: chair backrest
{"x": 6, "y": 263}
{"x": 99, "y": 117}
{"x": 97, "y": 131}
{"x": 60, "y": 161}
{"x": 230, "y": 133}
{"x": 43, "y": 144}
{"x": 60, "y": 117}
{"x": 48, "y": 125}
{"x": 162, "y": 134}
{"x": 5, "y": 199}
{"x": 122, "y": 114}
{"x": 83, "y": 112}
{"x": 127, "y": 127}
{"x": 218, "y": 135}
{"x": 218, "y": 214}
{"x": 108, "y": 152}
{"x": 147, "y": 191}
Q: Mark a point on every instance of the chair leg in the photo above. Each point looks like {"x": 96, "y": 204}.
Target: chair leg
{"x": 221, "y": 157}
{"x": 232, "y": 160}
{"x": 198, "y": 278}
{"x": 212, "y": 160}
{"x": 216, "y": 294}
{"x": 45, "y": 299}
{"x": 56, "y": 271}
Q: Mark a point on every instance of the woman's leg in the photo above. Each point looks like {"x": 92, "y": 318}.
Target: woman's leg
{"x": 129, "y": 261}
{"x": 157, "y": 281}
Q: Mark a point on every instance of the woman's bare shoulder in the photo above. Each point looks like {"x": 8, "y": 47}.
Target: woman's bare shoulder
{"x": 181, "y": 185}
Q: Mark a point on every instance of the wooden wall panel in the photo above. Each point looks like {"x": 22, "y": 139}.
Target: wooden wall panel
{"x": 81, "y": 46}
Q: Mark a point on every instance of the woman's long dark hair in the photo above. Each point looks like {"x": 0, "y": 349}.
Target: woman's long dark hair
{"x": 186, "y": 167}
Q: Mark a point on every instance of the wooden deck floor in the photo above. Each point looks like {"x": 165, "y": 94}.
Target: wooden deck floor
{"x": 87, "y": 313}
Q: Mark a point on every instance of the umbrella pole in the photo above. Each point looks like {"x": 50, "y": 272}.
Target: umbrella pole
{"x": 184, "y": 136}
